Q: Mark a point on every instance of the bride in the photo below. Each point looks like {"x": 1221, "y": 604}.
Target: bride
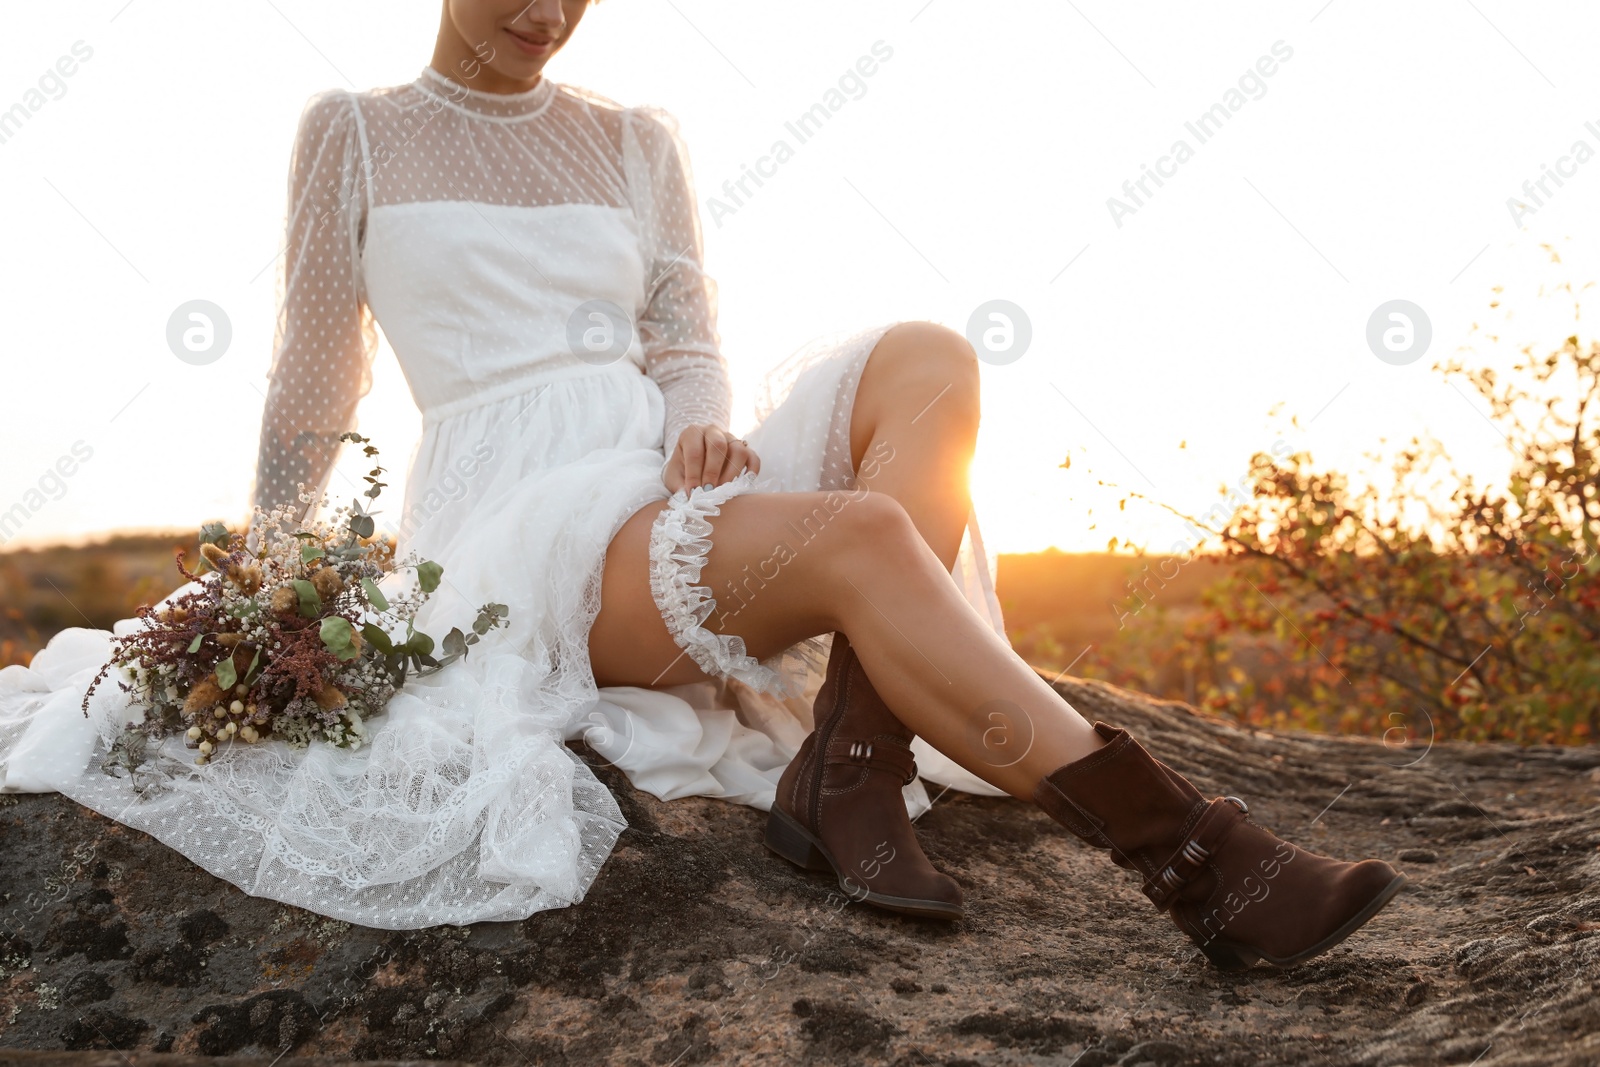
{"x": 800, "y": 620}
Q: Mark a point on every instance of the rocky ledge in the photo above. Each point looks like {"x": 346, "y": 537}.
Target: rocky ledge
{"x": 697, "y": 946}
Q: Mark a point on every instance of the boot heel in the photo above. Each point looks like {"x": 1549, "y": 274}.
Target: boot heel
{"x": 787, "y": 839}
{"x": 1228, "y": 957}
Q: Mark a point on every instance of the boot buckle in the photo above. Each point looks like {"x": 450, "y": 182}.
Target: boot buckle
{"x": 1189, "y": 860}
{"x": 1192, "y": 851}
{"x": 895, "y": 757}
{"x": 862, "y": 750}
{"x": 1241, "y": 805}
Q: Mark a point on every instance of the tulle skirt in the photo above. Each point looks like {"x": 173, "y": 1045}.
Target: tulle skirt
{"x": 466, "y": 803}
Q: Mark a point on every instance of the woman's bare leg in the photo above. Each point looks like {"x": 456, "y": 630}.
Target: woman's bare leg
{"x": 914, "y": 426}
{"x": 787, "y": 566}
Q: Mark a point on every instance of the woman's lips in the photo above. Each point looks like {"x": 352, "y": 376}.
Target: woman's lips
{"x": 533, "y": 46}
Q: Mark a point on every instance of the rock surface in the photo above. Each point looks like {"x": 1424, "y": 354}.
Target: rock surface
{"x": 697, "y": 946}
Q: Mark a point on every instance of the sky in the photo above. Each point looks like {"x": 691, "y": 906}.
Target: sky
{"x": 1201, "y": 216}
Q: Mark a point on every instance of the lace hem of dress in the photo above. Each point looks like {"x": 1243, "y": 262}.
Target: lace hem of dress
{"x": 678, "y": 547}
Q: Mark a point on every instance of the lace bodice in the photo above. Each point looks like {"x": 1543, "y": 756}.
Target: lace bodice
{"x": 474, "y": 227}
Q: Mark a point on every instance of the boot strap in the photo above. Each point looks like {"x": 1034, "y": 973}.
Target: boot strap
{"x": 1222, "y": 814}
{"x": 880, "y": 753}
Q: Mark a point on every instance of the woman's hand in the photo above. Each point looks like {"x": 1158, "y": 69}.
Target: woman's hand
{"x": 707, "y": 455}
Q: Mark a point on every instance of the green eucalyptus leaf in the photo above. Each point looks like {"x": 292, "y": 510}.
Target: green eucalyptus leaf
{"x": 310, "y": 552}
{"x": 419, "y": 644}
{"x": 194, "y": 646}
{"x": 428, "y": 575}
{"x": 378, "y": 639}
{"x": 310, "y": 602}
{"x": 227, "y": 676}
{"x": 374, "y": 595}
{"x": 455, "y": 642}
{"x": 336, "y": 633}
{"x": 362, "y": 525}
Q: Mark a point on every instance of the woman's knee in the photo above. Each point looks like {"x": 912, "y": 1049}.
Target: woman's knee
{"x": 799, "y": 553}
{"x": 875, "y": 534}
{"x": 930, "y": 344}
{"x": 930, "y": 368}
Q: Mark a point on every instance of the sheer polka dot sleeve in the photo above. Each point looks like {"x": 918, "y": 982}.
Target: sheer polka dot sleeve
{"x": 678, "y": 327}
{"x": 325, "y": 338}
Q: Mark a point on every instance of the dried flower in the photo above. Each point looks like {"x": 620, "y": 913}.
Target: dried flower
{"x": 249, "y": 579}
{"x": 329, "y": 698}
{"x": 202, "y": 695}
{"x": 327, "y": 583}
{"x": 297, "y": 666}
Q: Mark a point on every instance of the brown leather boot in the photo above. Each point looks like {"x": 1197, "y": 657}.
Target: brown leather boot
{"x": 1240, "y": 893}
{"x": 839, "y": 805}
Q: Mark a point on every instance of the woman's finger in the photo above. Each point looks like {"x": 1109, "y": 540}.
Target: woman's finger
{"x": 737, "y": 461}
{"x": 716, "y": 455}
{"x": 693, "y": 446}
{"x": 672, "y": 473}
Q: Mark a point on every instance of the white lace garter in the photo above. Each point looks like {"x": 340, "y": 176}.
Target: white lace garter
{"x": 678, "y": 547}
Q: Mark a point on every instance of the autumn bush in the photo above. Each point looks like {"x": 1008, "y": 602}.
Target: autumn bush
{"x": 1391, "y": 610}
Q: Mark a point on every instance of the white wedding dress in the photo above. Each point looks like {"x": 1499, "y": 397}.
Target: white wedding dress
{"x": 535, "y": 262}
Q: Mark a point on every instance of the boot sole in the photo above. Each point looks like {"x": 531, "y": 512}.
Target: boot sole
{"x": 1233, "y": 956}
{"x": 800, "y": 847}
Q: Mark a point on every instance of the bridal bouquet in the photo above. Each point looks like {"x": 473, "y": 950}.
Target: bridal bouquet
{"x": 291, "y": 640}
